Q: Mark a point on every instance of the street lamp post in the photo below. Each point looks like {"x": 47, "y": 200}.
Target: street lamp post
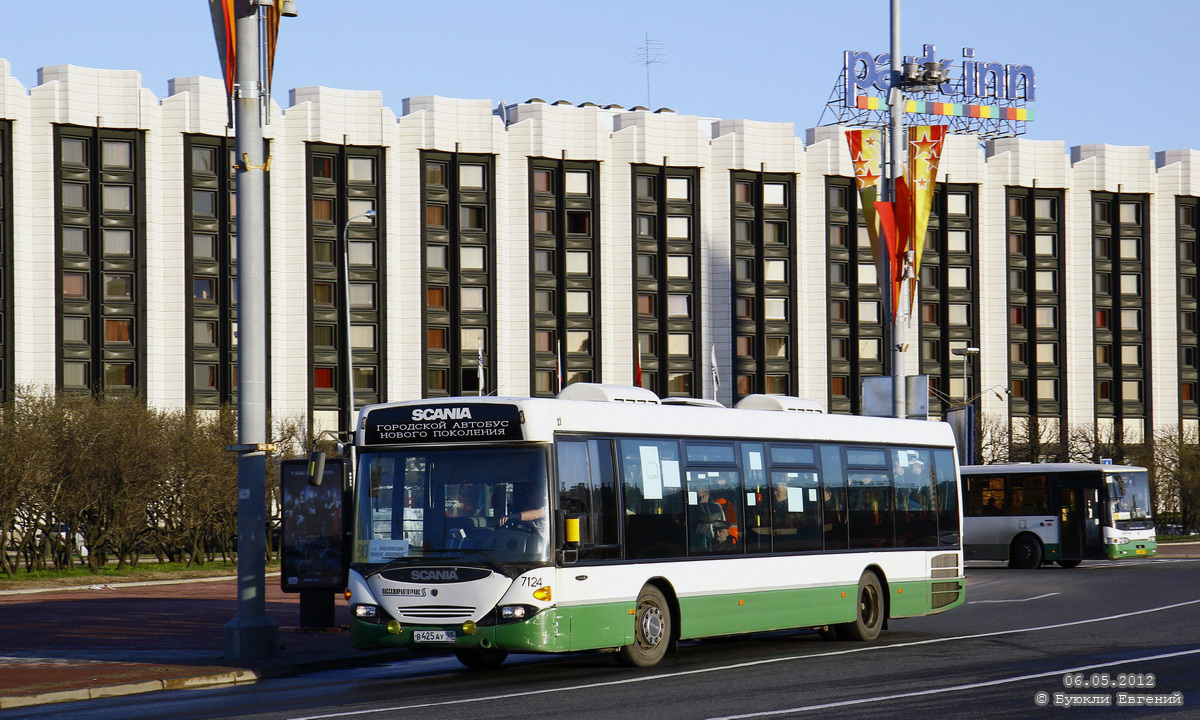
{"x": 896, "y": 169}
{"x": 251, "y": 635}
{"x": 914, "y": 77}
{"x": 965, "y": 353}
{"x": 347, "y": 350}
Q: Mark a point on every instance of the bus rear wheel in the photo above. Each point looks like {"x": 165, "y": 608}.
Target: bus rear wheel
{"x": 868, "y": 622}
{"x": 1068, "y": 563}
{"x": 481, "y": 658}
{"x": 1026, "y": 553}
{"x": 652, "y": 630}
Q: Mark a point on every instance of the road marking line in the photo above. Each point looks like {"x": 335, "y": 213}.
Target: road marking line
{"x": 957, "y": 688}
{"x": 751, "y": 663}
{"x": 1039, "y": 597}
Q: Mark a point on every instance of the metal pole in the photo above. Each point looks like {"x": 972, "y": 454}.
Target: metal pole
{"x": 251, "y": 634}
{"x": 965, "y": 357}
{"x": 347, "y": 350}
{"x": 896, "y": 164}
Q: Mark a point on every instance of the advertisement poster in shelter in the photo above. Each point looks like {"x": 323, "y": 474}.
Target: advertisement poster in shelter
{"x": 313, "y": 541}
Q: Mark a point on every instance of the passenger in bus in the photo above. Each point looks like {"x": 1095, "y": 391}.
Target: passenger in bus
{"x": 726, "y": 495}
{"x": 781, "y": 517}
{"x": 722, "y": 542}
{"x": 706, "y": 514}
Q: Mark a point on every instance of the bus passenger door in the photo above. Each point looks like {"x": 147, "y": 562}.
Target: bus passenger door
{"x": 1093, "y": 536}
{"x": 1071, "y": 517}
{"x": 1080, "y": 512}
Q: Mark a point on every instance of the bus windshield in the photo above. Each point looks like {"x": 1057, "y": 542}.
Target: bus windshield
{"x": 1129, "y": 494}
{"x": 454, "y": 504}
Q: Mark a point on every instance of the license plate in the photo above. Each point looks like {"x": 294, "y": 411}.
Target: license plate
{"x": 1141, "y": 551}
{"x": 434, "y": 636}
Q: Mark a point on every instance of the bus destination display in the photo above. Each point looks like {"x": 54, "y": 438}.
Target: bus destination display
{"x": 443, "y": 423}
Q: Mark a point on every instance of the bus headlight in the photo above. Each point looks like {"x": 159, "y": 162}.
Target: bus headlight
{"x": 514, "y": 613}
{"x": 366, "y": 612}
{"x": 1117, "y": 540}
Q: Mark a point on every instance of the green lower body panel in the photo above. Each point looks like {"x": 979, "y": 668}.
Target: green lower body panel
{"x": 734, "y": 613}
{"x": 608, "y": 625}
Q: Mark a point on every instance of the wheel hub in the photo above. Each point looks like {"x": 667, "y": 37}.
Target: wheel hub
{"x": 652, "y": 625}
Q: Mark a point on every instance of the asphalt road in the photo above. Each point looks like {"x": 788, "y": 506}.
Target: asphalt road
{"x": 1021, "y": 633}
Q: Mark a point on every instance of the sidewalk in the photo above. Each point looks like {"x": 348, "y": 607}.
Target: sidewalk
{"x": 80, "y": 643}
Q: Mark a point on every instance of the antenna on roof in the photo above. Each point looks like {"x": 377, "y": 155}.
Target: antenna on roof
{"x": 649, "y": 53}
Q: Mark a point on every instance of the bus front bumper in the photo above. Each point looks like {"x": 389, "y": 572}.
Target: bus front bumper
{"x": 1133, "y": 549}
{"x": 540, "y": 633}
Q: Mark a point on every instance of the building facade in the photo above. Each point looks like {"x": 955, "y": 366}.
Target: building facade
{"x": 516, "y": 248}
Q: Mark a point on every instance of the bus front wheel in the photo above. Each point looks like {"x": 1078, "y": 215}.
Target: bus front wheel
{"x": 652, "y": 630}
{"x": 1026, "y": 553}
{"x": 868, "y": 622}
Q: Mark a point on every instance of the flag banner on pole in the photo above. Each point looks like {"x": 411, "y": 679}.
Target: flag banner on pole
{"x": 558, "y": 362}
{"x": 273, "y": 15}
{"x": 716, "y": 375}
{"x": 865, "y": 149}
{"x": 924, "y": 154}
{"x": 224, "y": 16}
{"x": 480, "y": 369}
{"x": 888, "y": 229}
{"x": 637, "y": 366}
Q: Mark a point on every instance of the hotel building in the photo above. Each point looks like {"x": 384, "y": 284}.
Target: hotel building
{"x": 590, "y": 242}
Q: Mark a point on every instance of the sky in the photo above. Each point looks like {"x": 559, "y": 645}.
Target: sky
{"x": 1108, "y": 71}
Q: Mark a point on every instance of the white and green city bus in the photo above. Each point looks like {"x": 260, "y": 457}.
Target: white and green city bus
{"x": 1029, "y": 514}
{"x": 605, "y": 519}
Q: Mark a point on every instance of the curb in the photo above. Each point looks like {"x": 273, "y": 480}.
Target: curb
{"x": 115, "y": 585}
{"x": 231, "y": 677}
{"x": 198, "y": 681}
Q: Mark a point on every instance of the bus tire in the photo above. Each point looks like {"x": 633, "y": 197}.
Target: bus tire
{"x": 651, "y": 630}
{"x": 481, "y": 658}
{"x": 869, "y": 611}
{"x": 1026, "y": 553}
{"x": 1068, "y": 563}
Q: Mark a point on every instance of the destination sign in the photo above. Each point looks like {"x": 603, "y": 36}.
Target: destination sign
{"x": 443, "y": 422}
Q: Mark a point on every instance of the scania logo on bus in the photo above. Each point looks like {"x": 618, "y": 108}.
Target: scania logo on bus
{"x": 450, "y": 575}
{"x": 435, "y": 574}
{"x": 424, "y": 414}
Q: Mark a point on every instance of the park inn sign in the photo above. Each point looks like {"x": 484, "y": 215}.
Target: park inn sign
{"x": 865, "y": 72}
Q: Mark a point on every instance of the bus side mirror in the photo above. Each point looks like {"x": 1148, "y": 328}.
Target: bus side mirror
{"x": 316, "y": 468}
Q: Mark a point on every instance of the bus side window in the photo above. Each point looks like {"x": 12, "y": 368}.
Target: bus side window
{"x": 586, "y": 490}
{"x": 653, "y": 487}
{"x": 795, "y": 510}
{"x": 1027, "y": 495}
{"x": 604, "y": 496}
{"x": 870, "y": 494}
{"x": 574, "y": 487}
{"x": 946, "y": 481}
{"x": 757, "y": 533}
{"x": 833, "y": 491}
{"x": 912, "y": 479}
{"x": 869, "y": 485}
